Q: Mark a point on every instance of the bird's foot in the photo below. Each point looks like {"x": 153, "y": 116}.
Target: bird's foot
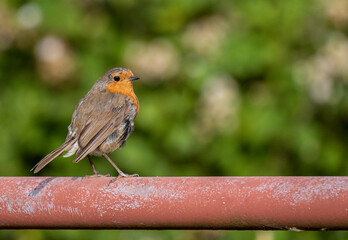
{"x": 123, "y": 175}
{"x": 96, "y": 175}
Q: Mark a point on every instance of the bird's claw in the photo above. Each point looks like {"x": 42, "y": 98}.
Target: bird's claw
{"x": 97, "y": 175}
{"x": 123, "y": 175}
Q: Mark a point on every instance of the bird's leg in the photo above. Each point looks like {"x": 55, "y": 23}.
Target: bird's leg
{"x": 92, "y": 164}
{"x": 96, "y": 173}
{"x": 120, "y": 173}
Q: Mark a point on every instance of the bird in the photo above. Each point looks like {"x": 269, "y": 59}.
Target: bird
{"x": 102, "y": 121}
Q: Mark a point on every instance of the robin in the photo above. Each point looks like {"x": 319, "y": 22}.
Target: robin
{"x": 102, "y": 120}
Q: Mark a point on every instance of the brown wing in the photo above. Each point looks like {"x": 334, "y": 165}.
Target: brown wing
{"x": 101, "y": 123}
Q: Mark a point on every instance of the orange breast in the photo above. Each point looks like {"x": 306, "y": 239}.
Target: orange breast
{"x": 126, "y": 88}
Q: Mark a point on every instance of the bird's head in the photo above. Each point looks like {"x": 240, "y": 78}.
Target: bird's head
{"x": 120, "y": 80}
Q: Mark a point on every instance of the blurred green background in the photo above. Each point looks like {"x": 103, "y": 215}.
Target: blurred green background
{"x": 228, "y": 88}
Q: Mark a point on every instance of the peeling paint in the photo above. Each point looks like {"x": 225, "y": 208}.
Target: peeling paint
{"x": 39, "y": 187}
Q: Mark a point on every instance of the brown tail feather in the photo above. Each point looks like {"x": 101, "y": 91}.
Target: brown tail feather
{"x": 46, "y": 160}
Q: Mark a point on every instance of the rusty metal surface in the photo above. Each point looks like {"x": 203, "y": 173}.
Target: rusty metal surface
{"x": 289, "y": 203}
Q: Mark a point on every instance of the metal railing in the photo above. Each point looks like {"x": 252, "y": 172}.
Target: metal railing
{"x": 285, "y": 203}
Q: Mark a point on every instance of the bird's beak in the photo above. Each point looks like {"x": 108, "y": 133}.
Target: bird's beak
{"x": 133, "y": 78}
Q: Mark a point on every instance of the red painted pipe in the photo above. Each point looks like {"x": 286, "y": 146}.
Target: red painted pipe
{"x": 292, "y": 203}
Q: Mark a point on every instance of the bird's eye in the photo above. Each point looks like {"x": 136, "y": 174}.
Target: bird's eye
{"x": 116, "y": 78}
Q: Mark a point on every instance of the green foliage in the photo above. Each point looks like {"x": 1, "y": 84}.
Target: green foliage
{"x": 248, "y": 88}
